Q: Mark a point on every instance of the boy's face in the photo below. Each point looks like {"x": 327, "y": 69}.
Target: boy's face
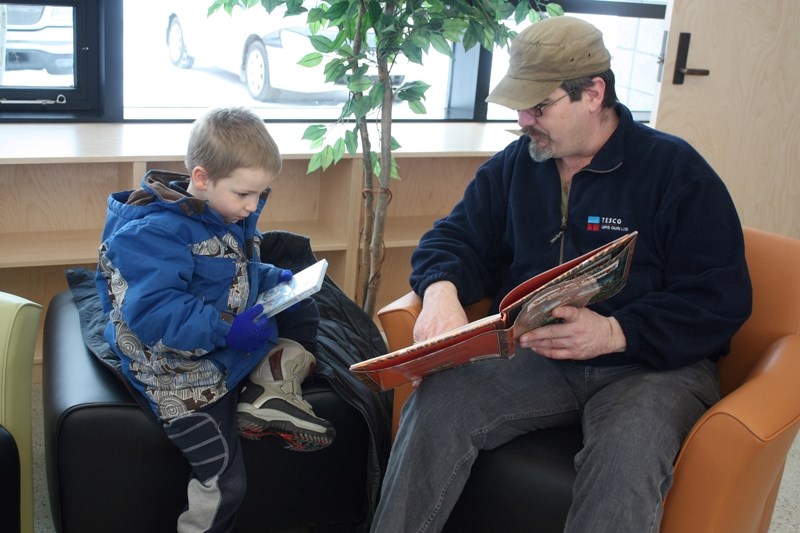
{"x": 234, "y": 197}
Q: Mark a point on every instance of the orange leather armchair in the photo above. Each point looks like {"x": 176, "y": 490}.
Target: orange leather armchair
{"x": 729, "y": 470}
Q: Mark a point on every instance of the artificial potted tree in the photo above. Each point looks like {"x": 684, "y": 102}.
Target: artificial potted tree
{"x": 369, "y": 36}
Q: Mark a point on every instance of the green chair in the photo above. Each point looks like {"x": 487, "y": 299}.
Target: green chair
{"x": 19, "y": 320}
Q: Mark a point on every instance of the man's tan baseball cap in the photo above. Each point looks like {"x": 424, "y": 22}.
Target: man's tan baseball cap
{"x": 546, "y": 54}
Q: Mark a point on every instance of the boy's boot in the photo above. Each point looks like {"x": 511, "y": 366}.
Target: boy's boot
{"x": 271, "y": 401}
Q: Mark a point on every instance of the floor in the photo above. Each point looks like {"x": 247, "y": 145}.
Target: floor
{"x": 786, "y": 518}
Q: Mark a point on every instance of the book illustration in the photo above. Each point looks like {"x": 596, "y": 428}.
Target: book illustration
{"x": 590, "y": 278}
{"x": 593, "y": 286}
{"x": 302, "y": 285}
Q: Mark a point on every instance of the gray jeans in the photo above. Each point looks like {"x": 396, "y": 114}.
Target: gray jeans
{"x": 634, "y": 420}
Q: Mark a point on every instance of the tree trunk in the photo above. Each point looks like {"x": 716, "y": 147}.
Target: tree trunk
{"x": 369, "y": 213}
{"x": 376, "y": 245}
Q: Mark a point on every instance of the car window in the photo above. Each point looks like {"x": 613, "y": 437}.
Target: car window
{"x": 38, "y": 45}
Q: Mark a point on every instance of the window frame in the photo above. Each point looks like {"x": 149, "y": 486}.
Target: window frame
{"x": 81, "y": 101}
{"x": 98, "y": 92}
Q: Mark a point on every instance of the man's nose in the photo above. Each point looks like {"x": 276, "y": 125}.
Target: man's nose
{"x": 524, "y": 118}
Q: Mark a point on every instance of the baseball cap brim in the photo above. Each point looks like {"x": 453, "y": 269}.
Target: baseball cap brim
{"x": 519, "y": 94}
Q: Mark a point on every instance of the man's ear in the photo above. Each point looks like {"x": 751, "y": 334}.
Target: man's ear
{"x": 200, "y": 178}
{"x": 596, "y": 92}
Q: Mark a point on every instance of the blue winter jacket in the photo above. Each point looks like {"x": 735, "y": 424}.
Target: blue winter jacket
{"x": 688, "y": 290}
{"x": 171, "y": 276}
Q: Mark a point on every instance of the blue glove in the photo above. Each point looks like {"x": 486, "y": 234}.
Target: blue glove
{"x": 285, "y": 275}
{"x": 249, "y": 332}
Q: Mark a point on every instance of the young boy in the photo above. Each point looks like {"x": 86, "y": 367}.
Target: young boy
{"x": 178, "y": 275}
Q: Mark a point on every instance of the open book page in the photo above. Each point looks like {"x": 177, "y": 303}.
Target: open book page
{"x": 589, "y": 278}
{"x": 302, "y": 285}
{"x": 599, "y": 282}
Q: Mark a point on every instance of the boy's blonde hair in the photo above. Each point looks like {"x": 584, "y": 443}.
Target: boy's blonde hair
{"x": 225, "y": 139}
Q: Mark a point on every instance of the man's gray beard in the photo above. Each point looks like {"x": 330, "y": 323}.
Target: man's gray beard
{"x": 538, "y": 153}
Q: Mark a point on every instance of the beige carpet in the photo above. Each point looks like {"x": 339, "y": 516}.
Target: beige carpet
{"x": 786, "y": 518}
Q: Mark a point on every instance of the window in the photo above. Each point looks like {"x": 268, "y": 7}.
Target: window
{"x": 126, "y": 60}
{"x": 49, "y": 53}
{"x": 635, "y": 46}
{"x": 248, "y": 57}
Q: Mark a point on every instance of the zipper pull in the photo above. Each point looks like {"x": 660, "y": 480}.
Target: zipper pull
{"x": 560, "y": 231}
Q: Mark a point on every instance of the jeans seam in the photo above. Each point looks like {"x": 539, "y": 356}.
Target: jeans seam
{"x": 443, "y": 491}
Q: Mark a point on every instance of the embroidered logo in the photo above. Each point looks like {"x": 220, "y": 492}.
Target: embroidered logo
{"x": 596, "y": 223}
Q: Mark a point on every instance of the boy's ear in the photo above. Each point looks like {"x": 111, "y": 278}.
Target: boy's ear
{"x": 200, "y": 178}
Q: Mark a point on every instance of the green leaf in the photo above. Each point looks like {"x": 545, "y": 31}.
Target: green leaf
{"x": 376, "y": 96}
{"x": 294, "y": 7}
{"x": 358, "y": 84}
{"x": 505, "y": 10}
{"x": 413, "y": 89}
{"x": 316, "y": 143}
{"x": 322, "y": 44}
{"x": 269, "y": 5}
{"x": 521, "y": 12}
{"x": 417, "y": 107}
{"x": 337, "y": 10}
{"x": 412, "y": 52}
{"x": 351, "y": 142}
{"x": 315, "y": 131}
{"x": 441, "y": 45}
{"x": 334, "y": 70}
{"x": 555, "y": 10}
{"x": 315, "y": 14}
{"x": 314, "y": 163}
{"x": 361, "y": 107}
{"x": 420, "y": 40}
{"x": 338, "y": 150}
{"x": 310, "y": 60}
{"x": 326, "y": 157}
{"x": 394, "y": 145}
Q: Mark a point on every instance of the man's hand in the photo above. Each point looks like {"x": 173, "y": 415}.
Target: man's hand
{"x": 583, "y": 334}
{"x": 441, "y": 311}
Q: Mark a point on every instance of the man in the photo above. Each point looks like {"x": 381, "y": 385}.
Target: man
{"x": 635, "y": 371}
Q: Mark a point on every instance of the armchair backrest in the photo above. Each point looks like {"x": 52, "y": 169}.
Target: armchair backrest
{"x": 773, "y": 261}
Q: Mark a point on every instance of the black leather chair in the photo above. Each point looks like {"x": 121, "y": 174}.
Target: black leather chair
{"x": 110, "y": 468}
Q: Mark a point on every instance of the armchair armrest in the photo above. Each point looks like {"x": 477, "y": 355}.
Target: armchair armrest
{"x": 729, "y": 470}
{"x": 397, "y": 319}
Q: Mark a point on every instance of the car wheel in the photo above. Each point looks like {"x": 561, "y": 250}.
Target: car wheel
{"x": 256, "y": 73}
{"x": 176, "y": 45}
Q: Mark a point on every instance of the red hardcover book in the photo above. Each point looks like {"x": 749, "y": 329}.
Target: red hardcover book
{"x": 587, "y": 279}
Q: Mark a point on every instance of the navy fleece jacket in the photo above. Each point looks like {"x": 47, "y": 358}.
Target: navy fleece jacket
{"x": 688, "y": 290}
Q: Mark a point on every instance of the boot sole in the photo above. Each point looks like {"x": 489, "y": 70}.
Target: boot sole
{"x": 296, "y": 438}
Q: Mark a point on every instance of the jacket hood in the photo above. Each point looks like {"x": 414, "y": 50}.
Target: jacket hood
{"x": 161, "y": 190}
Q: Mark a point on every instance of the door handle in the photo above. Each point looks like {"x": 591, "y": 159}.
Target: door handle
{"x": 681, "y": 70}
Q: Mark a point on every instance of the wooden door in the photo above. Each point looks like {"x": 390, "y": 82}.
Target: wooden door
{"x": 744, "y": 117}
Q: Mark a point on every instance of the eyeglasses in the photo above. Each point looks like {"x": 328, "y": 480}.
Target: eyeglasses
{"x": 538, "y": 110}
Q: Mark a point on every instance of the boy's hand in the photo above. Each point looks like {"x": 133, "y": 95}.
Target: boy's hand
{"x": 249, "y": 332}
